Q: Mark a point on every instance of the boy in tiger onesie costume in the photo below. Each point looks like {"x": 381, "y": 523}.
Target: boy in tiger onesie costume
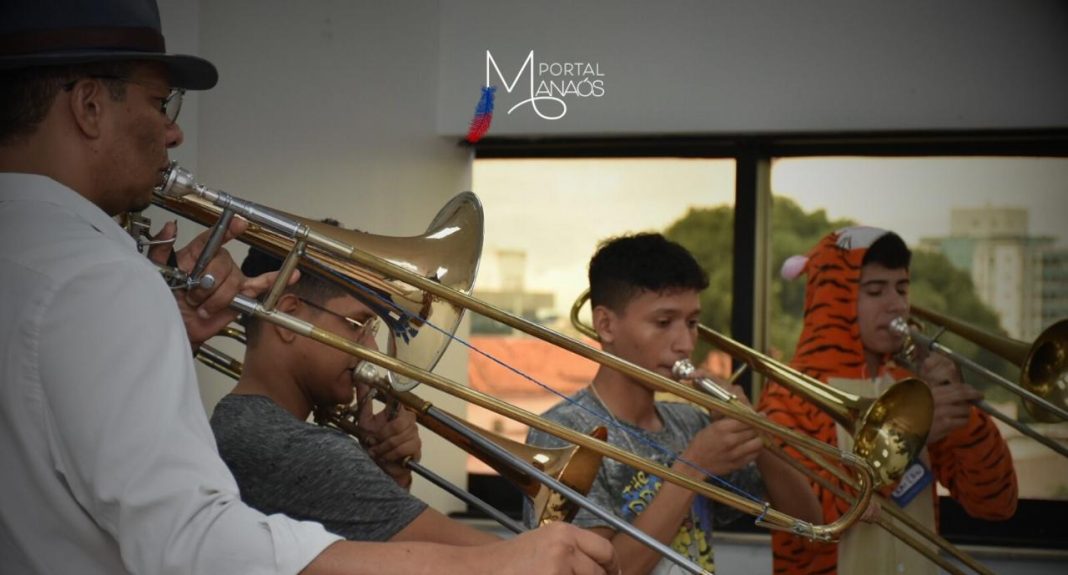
{"x": 858, "y": 282}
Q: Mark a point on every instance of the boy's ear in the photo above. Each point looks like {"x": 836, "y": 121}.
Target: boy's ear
{"x": 289, "y": 304}
{"x": 604, "y": 323}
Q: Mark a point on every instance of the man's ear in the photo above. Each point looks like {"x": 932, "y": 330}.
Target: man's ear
{"x": 604, "y": 322}
{"x": 87, "y": 106}
{"x": 289, "y": 304}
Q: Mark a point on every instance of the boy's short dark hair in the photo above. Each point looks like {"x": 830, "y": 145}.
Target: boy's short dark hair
{"x": 625, "y": 266}
{"x": 888, "y": 251}
{"x": 309, "y": 287}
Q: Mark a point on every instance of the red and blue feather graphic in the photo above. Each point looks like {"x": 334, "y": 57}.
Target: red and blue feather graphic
{"x": 480, "y": 124}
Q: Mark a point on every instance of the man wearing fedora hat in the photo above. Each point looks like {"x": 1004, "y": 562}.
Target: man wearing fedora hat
{"x": 109, "y": 462}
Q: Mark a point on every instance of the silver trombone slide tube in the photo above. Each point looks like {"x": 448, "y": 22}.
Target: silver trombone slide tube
{"x": 473, "y": 500}
{"x": 1022, "y": 428}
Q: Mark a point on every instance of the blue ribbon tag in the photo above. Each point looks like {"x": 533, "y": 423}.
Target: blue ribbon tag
{"x": 916, "y": 478}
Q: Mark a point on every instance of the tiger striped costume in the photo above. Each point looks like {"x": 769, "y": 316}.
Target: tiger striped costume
{"x": 973, "y": 462}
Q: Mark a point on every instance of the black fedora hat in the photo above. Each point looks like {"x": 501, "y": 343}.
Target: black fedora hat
{"x": 58, "y": 32}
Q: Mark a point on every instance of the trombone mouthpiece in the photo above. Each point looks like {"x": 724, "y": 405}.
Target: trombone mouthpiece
{"x": 368, "y": 373}
{"x": 900, "y": 326}
{"x": 177, "y": 182}
{"x": 683, "y": 369}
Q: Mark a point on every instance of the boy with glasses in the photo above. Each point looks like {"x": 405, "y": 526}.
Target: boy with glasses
{"x": 284, "y": 464}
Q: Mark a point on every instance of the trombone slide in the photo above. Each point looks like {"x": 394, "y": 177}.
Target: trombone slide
{"x": 909, "y": 356}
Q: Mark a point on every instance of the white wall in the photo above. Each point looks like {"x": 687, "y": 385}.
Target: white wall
{"x": 326, "y": 109}
{"x": 751, "y": 66}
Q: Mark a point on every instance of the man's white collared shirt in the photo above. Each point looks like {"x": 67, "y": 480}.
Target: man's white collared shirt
{"x": 109, "y": 464}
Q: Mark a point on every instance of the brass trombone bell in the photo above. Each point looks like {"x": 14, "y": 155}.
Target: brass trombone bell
{"x": 1043, "y": 382}
{"x": 447, "y": 254}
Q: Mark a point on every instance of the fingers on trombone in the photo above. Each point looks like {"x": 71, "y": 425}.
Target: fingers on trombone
{"x": 939, "y": 370}
{"x": 393, "y": 407}
{"x": 739, "y": 392}
{"x": 163, "y": 244}
{"x": 399, "y": 439}
{"x": 747, "y": 452}
{"x": 254, "y": 286}
{"x": 228, "y": 279}
{"x": 595, "y": 553}
{"x": 214, "y": 294}
{"x": 951, "y": 393}
{"x": 365, "y": 405}
{"x": 872, "y": 513}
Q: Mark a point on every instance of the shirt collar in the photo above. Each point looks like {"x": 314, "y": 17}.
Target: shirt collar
{"x": 38, "y": 188}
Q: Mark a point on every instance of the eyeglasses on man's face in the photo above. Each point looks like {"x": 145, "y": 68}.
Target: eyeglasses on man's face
{"x": 169, "y": 106}
{"x": 362, "y": 329}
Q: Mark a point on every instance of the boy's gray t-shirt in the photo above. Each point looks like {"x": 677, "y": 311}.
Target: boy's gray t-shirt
{"x": 627, "y": 491}
{"x": 308, "y": 472}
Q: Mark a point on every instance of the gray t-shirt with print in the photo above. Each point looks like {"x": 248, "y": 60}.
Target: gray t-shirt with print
{"x": 308, "y": 472}
{"x": 627, "y": 491}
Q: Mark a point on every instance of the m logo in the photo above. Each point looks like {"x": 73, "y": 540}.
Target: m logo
{"x": 582, "y": 79}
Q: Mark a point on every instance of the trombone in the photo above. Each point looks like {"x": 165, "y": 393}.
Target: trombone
{"x": 334, "y": 252}
{"x": 893, "y": 413}
{"x": 888, "y": 431}
{"x": 1043, "y": 366}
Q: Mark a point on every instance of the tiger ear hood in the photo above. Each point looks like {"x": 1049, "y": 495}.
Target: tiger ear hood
{"x": 829, "y": 345}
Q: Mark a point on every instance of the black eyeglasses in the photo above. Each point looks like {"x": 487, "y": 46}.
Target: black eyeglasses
{"x": 367, "y": 328}
{"x": 169, "y": 106}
